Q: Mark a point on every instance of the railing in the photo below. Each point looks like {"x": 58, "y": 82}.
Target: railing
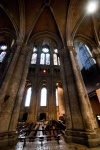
{"x": 54, "y": 134}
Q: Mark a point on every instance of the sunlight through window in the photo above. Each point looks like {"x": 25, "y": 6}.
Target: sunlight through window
{"x": 43, "y": 96}
{"x": 28, "y": 97}
{"x": 56, "y": 97}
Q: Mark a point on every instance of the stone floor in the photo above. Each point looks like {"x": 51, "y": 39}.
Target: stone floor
{"x": 50, "y": 145}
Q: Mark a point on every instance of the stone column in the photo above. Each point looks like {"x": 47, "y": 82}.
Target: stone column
{"x": 19, "y": 97}
{"x": 9, "y": 73}
{"x": 61, "y": 103}
{"x": 32, "y": 116}
{"x": 89, "y": 134}
{"x": 87, "y": 113}
{"x": 80, "y": 127}
{"x": 12, "y": 91}
{"x": 98, "y": 94}
{"x": 73, "y": 113}
{"x": 97, "y": 57}
{"x": 53, "y": 102}
{"x": 62, "y": 54}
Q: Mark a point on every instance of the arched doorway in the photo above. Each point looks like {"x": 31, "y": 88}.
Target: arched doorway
{"x": 42, "y": 116}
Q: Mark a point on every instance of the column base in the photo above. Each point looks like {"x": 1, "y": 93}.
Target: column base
{"x": 90, "y": 139}
{"x": 8, "y": 139}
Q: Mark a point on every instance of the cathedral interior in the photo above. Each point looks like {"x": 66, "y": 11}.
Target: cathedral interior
{"x": 50, "y": 68}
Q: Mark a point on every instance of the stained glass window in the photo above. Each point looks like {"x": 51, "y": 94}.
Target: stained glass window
{"x": 85, "y": 56}
{"x": 42, "y": 60}
{"x": 45, "y": 57}
{"x": 3, "y": 47}
{"x": 34, "y": 56}
{"x": 2, "y": 52}
{"x": 45, "y": 50}
{"x": 2, "y": 55}
{"x": 56, "y": 60}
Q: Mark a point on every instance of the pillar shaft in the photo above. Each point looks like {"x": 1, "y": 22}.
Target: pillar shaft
{"x": 61, "y": 101}
{"x": 86, "y": 110}
{"x": 18, "y": 100}
{"x": 12, "y": 91}
{"x": 73, "y": 113}
{"x": 66, "y": 94}
{"x": 9, "y": 73}
{"x": 98, "y": 59}
{"x": 53, "y": 103}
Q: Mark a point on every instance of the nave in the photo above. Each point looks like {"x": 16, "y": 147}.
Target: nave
{"x": 41, "y": 137}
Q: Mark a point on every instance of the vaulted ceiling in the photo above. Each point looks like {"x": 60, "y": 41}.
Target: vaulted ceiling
{"x": 65, "y": 19}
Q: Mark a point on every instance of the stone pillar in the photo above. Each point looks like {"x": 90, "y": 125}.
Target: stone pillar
{"x": 87, "y": 113}
{"x": 19, "y": 97}
{"x": 73, "y": 113}
{"x": 97, "y": 57}
{"x": 32, "y": 116}
{"x": 98, "y": 94}
{"x": 8, "y": 105}
{"x": 65, "y": 89}
{"x": 53, "y": 102}
{"x": 82, "y": 126}
{"x": 9, "y": 73}
{"x": 61, "y": 103}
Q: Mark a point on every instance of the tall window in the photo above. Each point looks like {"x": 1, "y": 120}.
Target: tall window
{"x": 34, "y": 56}
{"x": 56, "y": 60}
{"x": 56, "y": 97}
{"x": 45, "y": 56}
{"x": 85, "y": 56}
{"x": 2, "y": 52}
{"x": 28, "y": 97}
{"x": 43, "y": 97}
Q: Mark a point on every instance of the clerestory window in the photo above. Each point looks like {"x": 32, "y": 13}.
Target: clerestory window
{"x": 56, "y": 60}
{"x": 45, "y": 56}
{"x": 85, "y": 56}
{"x": 2, "y": 52}
{"x": 34, "y": 56}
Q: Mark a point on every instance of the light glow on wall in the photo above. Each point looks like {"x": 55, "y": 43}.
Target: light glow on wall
{"x": 92, "y": 6}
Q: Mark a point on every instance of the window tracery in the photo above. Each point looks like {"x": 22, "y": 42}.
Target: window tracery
{"x": 85, "y": 56}
{"x": 45, "y": 56}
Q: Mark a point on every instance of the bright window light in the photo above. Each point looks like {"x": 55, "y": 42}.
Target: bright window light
{"x": 3, "y": 47}
{"x": 43, "y": 96}
{"x": 92, "y": 6}
{"x": 28, "y": 97}
{"x": 56, "y": 97}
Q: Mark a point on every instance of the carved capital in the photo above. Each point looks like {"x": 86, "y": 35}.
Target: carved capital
{"x": 19, "y": 42}
{"x": 72, "y": 48}
{"x": 25, "y": 49}
{"x": 96, "y": 55}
